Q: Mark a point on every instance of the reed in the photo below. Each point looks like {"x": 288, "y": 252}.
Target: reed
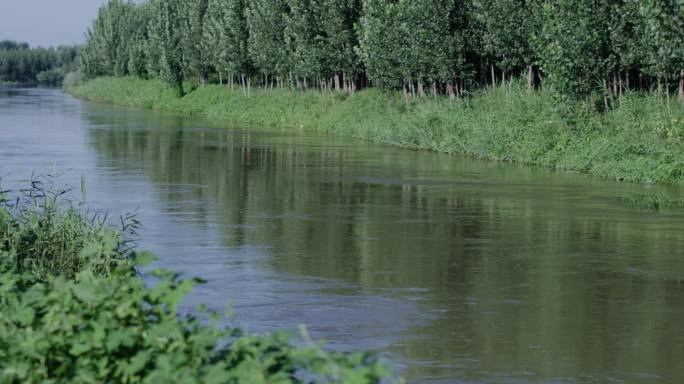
{"x": 45, "y": 232}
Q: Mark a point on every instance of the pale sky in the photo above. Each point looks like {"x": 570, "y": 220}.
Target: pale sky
{"x": 47, "y": 22}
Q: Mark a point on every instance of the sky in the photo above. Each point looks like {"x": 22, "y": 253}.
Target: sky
{"x": 47, "y": 22}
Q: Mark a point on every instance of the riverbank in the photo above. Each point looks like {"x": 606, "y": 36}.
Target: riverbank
{"x": 640, "y": 141}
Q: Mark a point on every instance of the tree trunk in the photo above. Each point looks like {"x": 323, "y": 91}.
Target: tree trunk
{"x": 660, "y": 88}
{"x": 620, "y": 88}
{"x": 421, "y": 90}
{"x": 627, "y": 81}
{"x": 530, "y": 78}
{"x": 450, "y": 91}
{"x": 434, "y": 89}
{"x": 667, "y": 94}
{"x": 681, "y": 86}
{"x": 337, "y": 82}
{"x": 493, "y": 77}
{"x": 605, "y": 94}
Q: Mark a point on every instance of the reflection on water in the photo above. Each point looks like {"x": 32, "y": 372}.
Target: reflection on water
{"x": 463, "y": 270}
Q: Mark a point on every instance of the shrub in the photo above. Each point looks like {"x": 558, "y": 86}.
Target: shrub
{"x": 45, "y": 233}
{"x": 93, "y": 329}
{"x": 73, "y": 309}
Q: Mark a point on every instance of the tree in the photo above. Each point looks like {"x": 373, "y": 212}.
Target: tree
{"x": 214, "y": 39}
{"x": 408, "y": 44}
{"x": 192, "y": 14}
{"x": 664, "y": 20}
{"x": 266, "y": 44}
{"x": 340, "y": 50}
{"x": 576, "y": 47}
{"x": 166, "y": 36}
{"x": 306, "y": 39}
{"x": 508, "y": 30}
{"x": 109, "y": 39}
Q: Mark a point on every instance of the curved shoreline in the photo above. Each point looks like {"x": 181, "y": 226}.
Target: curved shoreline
{"x": 641, "y": 141}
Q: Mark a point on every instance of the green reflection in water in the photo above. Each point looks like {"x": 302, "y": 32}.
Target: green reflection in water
{"x": 531, "y": 275}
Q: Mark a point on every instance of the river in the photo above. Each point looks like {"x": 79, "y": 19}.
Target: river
{"x": 456, "y": 270}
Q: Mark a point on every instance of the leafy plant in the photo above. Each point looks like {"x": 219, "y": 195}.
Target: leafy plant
{"x": 45, "y": 233}
{"x": 94, "y": 329}
{"x": 73, "y": 309}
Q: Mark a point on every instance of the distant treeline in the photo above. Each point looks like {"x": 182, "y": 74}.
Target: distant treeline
{"x": 21, "y": 64}
{"x": 580, "y": 48}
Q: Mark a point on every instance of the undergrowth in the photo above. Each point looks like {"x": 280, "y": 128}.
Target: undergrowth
{"x": 640, "y": 140}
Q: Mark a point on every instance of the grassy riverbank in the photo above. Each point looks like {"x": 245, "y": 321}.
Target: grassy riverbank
{"x": 73, "y": 309}
{"x": 641, "y": 140}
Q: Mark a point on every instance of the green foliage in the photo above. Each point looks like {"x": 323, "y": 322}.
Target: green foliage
{"x": 194, "y": 62}
{"x": 19, "y": 63}
{"x": 92, "y": 329}
{"x": 306, "y": 38}
{"x": 267, "y": 49}
{"x": 575, "y": 49}
{"x": 7, "y": 45}
{"x": 640, "y": 140}
{"x": 664, "y": 30}
{"x": 341, "y": 40}
{"x": 98, "y": 321}
{"x": 225, "y": 38}
{"x": 44, "y": 233}
{"x": 589, "y": 52}
{"x": 404, "y": 42}
{"x": 114, "y": 36}
{"x": 509, "y": 30}
{"x": 166, "y": 30}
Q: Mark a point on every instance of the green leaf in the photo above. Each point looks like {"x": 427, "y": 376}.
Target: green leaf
{"x": 143, "y": 258}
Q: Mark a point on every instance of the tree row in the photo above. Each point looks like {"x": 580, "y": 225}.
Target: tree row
{"x": 21, "y": 64}
{"x": 580, "y": 48}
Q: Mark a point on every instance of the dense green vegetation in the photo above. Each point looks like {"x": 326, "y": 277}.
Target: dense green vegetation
{"x": 581, "y": 49}
{"x": 579, "y": 84}
{"x": 640, "y": 140}
{"x": 21, "y": 64}
{"x": 73, "y": 309}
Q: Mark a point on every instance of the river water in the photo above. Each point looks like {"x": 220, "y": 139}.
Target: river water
{"x": 457, "y": 270}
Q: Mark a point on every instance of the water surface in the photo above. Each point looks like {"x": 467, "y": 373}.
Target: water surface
{"x": 461, "y": 271}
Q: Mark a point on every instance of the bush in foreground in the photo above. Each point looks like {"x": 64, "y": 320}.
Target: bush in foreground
{"x": 98, "y": 322}
{"x": 44, "y": 233}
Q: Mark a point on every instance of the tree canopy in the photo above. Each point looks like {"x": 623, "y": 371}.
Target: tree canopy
{"x": 580, "y": 48}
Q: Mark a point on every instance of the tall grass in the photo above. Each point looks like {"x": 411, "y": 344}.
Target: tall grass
{"x": 640, "y": 140}
{"x": 44, "y": 232}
